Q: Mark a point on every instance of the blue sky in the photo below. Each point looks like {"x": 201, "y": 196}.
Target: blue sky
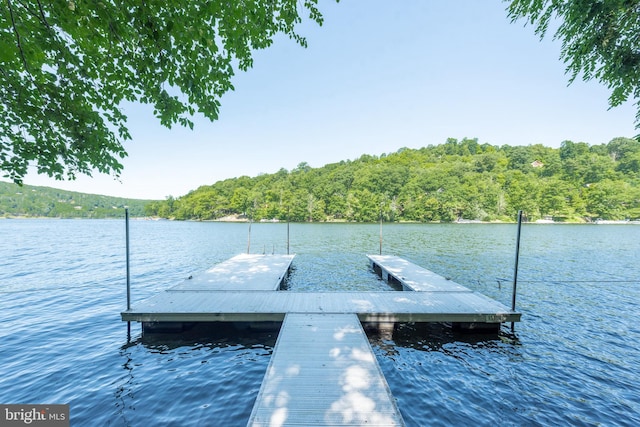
{"x": 377, "y": 76}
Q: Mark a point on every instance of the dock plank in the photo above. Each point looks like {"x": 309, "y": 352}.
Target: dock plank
{"x": 242, "y": 272}
{"x": 323, "y": 373}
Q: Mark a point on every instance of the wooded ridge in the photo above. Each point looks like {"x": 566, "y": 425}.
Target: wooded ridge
{"x": 457, "y": 180}
{"x": 33, "y": 201}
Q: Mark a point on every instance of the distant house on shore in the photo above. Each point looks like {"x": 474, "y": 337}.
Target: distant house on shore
{"x": 537, "y": 164}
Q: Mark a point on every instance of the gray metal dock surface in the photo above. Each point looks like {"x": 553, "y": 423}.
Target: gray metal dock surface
{"x": 323, "y": 373}
{"x": 242, "y": 272}
{"x": 255, "y": 306}
{"x": 412, "y": 277}
{"x": 242, "y": 289}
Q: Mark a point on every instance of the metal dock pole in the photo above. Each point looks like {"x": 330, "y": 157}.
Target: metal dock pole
{"x": 515, "y": 270}
{"x": 126, "y": 221}
{"x": 381, "y": 232}
{"x": 249, "y": 237}
{"x": 288, "y": 232}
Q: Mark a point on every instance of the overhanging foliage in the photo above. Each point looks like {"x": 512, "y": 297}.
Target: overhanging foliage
{"x": 66, "y": 66}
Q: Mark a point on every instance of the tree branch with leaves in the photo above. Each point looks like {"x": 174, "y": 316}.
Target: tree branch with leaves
{"x": 600, "y": 40}
{"x": 67, "y": 67}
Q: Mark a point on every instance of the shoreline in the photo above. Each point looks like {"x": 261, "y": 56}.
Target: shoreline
{"x": 244, "y": 219}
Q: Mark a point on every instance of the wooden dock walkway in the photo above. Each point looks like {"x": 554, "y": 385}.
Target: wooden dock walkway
{"x": 323, "y": 373}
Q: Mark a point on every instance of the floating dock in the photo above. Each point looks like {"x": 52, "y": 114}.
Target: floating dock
{"x": 414, "y": 278}
{"x": 242, "y": 290}
{"x": 322, "y": 371}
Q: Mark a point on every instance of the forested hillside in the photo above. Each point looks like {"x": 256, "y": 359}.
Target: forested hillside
{"x": 456, "y": 180}
{"x": 31, "y": 201}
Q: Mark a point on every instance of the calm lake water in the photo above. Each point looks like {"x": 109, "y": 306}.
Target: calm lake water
{"x": 573, "y": 360}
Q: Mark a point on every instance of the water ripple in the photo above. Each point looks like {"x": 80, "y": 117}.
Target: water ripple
{"x": 572, "y": 361}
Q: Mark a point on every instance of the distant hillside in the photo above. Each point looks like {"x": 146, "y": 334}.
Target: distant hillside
{"x": 32, "y": 201}
{"x": 457, "y": 180}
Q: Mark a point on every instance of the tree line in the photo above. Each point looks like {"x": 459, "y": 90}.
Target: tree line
{"x": 457, "y": 180}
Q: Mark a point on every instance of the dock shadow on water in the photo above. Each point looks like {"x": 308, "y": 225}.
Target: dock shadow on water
{"x": 435, "y": 337}
{"x": 207, "y": 374}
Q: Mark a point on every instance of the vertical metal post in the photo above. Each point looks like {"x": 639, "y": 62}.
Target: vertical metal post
{"x": 515, "y": 270}
{"x": 288, "y": 223}
{"x": 249, "y": 238}
{"x": 380, "y": 232}
{"x": 126, "y": 221}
